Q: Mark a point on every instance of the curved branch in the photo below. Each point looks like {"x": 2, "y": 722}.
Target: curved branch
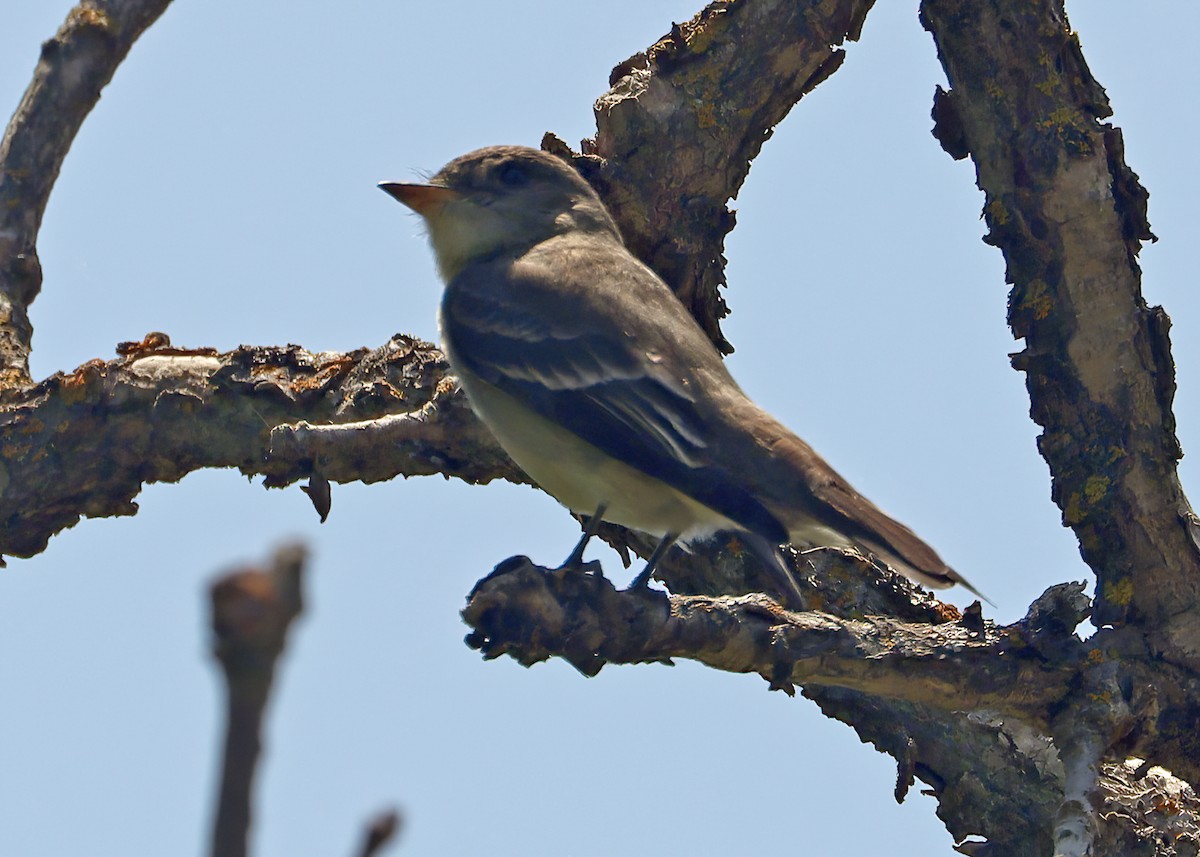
{"x": 75, "y": 65}
{"x": 1070, "y": 217}
{"x": 677, "y": 131}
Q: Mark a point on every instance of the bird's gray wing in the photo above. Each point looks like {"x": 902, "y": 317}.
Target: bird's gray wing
{"x": 550, "y": 351}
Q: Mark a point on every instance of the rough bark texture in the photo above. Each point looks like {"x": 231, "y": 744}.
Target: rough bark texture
{"x": 83, "y": 443}
{"x": 1070, "y": 216}
{"x": 1021, "y": 732}
{"x": 683, "y": 121}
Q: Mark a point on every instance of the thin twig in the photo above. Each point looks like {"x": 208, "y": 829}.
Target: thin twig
{"x": 382, "y": 830}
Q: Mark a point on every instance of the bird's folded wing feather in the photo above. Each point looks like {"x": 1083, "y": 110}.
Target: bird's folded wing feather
{"x": 537, "y": 337}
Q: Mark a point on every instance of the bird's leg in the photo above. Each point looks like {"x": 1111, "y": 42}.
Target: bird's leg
{"x": 593, "y": 524}
{"x": 785, "y": 580}
{"x": 643, "y": 578}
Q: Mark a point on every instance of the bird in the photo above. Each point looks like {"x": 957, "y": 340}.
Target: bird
{"x": 597, "y": 381}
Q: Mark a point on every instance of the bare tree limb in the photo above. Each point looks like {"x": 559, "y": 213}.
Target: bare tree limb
{"x": 83, "y": 443}
{"x": 252, "y": 610}
{"x": 75, "y": 65}
{"x": 531, "y": 613}
{"x": 1007, "y": 725}
{"x": 382, "y": 830}
{"x": 676, "y": 133}
{"x": 1070, "y": 216}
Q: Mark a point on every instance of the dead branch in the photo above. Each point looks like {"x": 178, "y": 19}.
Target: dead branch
{"x": 252, "y": 610}
{"x": 75, "y": 65}
{"x": 84, "y": 443}
{"x": 1069, "y": 216}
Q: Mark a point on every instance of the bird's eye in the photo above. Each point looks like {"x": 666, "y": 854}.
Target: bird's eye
{"x": 512, "y": 174}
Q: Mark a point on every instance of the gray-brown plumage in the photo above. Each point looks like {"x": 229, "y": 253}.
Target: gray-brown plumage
{"x": 599, "y": 383}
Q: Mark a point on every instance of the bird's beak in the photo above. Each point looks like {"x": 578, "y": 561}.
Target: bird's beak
{"x": 425, "y": 199}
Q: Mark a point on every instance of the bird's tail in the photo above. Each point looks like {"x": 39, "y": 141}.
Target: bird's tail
{"x": 935, "y": 575}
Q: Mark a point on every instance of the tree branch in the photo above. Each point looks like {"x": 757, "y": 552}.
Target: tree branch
{"x": 75, "y": 65}
{"x": 1007, "y": 725}
{"x": 683, "y": 120}
{"x": 252, "y": 610}
{"x": 83, "y": 443}
{"x": 1070, "y": 217}
{"x": 381, "y": 830}
{"x": 532, "y": 613}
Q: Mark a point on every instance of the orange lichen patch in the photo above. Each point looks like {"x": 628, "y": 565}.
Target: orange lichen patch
{"x": 75, "y": 386}
{"x": 1070, "y": 128}
{"x": 32, "y": 426}
{"x": 706, "y": 116}
{"x": 159, "y": 344}
{"x": 14, "y": 451}
{"x": 1073, "y": 510}
{"x": 1168, "y": 805}
{"x": 12, "y": 378}
{"x": 273, "y": 374}
{"x": 997, "y": 213}
{"x": 327, "y": 372}
{"x": 947, "y": 612}
{"x": 1037, "y": 299}
{"x": 89, "y": 370}
{"x": 1078, "y": 504}
{"x": 150, "y": 342}
{"x": 701, "y": 34}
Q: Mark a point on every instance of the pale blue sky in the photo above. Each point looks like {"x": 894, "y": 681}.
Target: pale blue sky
{"x": 223, "y": 191}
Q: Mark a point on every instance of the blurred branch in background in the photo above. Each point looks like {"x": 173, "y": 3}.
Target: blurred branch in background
{"x": 252, "y": 610}
{"x": 380, "y": 831}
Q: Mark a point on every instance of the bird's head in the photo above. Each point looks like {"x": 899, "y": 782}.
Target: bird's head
{"x": 501, "y": 200}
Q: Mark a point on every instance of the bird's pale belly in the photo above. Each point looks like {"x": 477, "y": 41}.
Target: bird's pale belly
{"x": 583, "y": 478}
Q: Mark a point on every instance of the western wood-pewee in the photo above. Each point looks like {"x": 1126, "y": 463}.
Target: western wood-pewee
{"x": 603, "y": 388}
